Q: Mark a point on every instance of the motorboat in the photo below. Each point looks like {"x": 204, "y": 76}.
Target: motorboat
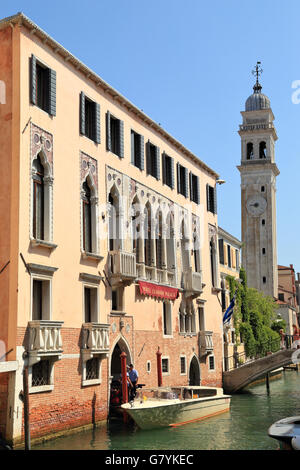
{"x": 175, "y": 406}
{"x": 287, "y": 432}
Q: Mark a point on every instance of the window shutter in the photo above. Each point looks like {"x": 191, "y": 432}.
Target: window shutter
{"x": 186, "y": 182}
{"x": 197, "y": 190}
{"x": 172, "y": 173}
{"x": 163, "y": 161}
{"x": 207, "y": 197}
{"x": 97, "y": 131}
{"x": 191, "y": 186}
{"x": 178, "y": 177}
{"x": 142, "y": 152}
{"x": 121, "y": 138}
{"x": 215, "y": 199}
{"x": 157, "y": 163}
{"x": 148, "y": 159}
{"x": 132, "y": 147}
{"x": 52, "y": 92}
{"x": 82, "y": 113}
{"x": 33, "y": 79}
{"x": 221, "y": 250}
{"x": 108, "y": 134}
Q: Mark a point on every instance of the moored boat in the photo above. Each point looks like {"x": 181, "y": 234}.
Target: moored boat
{"x": 287, "y": 433}
{"x": 175, "y": 406}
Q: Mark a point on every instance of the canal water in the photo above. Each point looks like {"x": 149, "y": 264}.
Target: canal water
{"x": 243, "y": 428}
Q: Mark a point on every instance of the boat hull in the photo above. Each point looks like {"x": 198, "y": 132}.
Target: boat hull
{"x": 177, "y": 412}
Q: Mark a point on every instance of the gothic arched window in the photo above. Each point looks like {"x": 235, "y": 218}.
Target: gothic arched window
{"x": 158, "y": 241}
{"x": 38, "y": 200}
{"x": 87, "y": 217}
{"x": 147, "y": 236}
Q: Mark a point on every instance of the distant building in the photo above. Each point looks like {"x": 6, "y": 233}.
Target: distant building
{"x": 229, "y": 261}
{"x": 288, "y": 307}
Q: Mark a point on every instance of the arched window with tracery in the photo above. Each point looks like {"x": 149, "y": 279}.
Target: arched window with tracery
{"x": 147, "y": 236}
{"x": 38, "y": 222}
{"x": 158, "y": 240}
{"x": 87, "y": 217}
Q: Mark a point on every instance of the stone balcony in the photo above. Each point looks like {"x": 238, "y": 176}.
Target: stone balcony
{"x": 153, "y": 274}
{"x": 95, "y": 340}
{"x": 44, "y": 340}
{"x": 192, "y": 283}
{"x": 122, "y": 267}
{"x": 206, "y": 345}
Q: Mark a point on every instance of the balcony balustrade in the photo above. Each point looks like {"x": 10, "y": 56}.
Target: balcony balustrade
{"x": 192, "y": 282}
{"x": 206, "y": 345}
{"x": 95, "y": 340}
{"x": 122, "y": 267}
{"x": 44, "y": 340}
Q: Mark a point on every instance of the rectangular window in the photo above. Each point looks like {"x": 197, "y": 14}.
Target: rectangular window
{"x": 229, "y": 255}
{"x": 114, "y": 135}
{"x": 92, "y": 369}
{"x": 211, "y": 195}
{"x": 89, "y": 118}
{"x": 167, "y": 318}
{"x": 90, "y": 304}
{"x": 137, "y": 150}
{"x": 41, "y": 374}
{"x": 165, "y": 365}
{"x": 194, "y": 188}
{"x": 237, "y": 259}
{"x": 42, "y": 86}
{"x": 153, "y": 160}
{"x": 168, "y": 170}
{"x": 281, "y": 297}
{"x": 182, "y": 365}
{"x": 182, "y": 180}
{"x": 117, "y": 299}
{"x": 211, "y": 362}
{"x": 221, "y": 251}
{"x": 40, "y": 299}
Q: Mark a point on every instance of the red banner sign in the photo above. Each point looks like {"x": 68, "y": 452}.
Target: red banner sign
{"x": 155, "y": 290}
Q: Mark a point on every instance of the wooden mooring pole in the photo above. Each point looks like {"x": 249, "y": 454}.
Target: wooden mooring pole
{"x": 268, "y": 382}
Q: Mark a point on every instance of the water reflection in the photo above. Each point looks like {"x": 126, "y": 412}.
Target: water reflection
{"x": 243, "y": 428}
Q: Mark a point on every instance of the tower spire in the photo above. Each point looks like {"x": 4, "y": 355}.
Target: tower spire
{"x": 257, "y": 71}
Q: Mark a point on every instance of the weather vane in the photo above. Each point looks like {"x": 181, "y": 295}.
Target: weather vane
{"x": 257, "y": 71}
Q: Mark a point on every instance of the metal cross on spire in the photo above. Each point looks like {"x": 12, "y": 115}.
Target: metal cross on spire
{"x": 257, "y": 71}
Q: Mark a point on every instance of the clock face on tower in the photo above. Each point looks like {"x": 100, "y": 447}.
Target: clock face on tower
{"x": 256, "y": 205}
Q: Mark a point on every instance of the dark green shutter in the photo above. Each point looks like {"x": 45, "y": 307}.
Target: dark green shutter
{"x": 148, "y": 158}
{"x": 108, "y": 134}
{"x": 121, "y": 138}
{"x": 157, "y": 163}
{"x": 207, "y": 197}
{"x": 97, "y": 131}
{"x": 33, "y": 79}
{"x": 186, "y": 182}
{"x": 82, "y": 113}
{"x": 142, "y": 152}
{"x": 178, "y": 177}
{"x": 172, "y": 173}
{"x": 215, "y": 199}
{"x": 163, "y": 161}
{"x": 197, "y": 190}
{"x": 132, "y": 147}
{"x": 221, "y": 250}
{"x": 191, "y": 186}
{"x": 52, "y": 92}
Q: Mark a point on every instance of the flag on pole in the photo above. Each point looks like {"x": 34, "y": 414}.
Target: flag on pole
{"x": 229, "y": 311}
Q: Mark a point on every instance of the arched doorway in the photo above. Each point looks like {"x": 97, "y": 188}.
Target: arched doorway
{"x": 115, "y": 362}
{"x": 194, "y": 372}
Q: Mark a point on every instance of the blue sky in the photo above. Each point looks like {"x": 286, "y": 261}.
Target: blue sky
{"x": 188, "y": 65}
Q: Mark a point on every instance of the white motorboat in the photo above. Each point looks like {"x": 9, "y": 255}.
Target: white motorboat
{"x": 175, "y": 406}
{"x": 287, "y": 432}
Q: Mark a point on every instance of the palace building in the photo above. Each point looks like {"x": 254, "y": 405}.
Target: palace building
{"x": 108, "y": 243}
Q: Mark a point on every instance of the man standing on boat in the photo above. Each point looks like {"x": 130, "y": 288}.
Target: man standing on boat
{"x": 133, "y": 376}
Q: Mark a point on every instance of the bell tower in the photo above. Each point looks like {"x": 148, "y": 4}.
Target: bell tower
{"x": 258, "y": 191}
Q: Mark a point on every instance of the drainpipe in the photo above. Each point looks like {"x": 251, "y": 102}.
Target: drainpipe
{"x": 159, "y": 370}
